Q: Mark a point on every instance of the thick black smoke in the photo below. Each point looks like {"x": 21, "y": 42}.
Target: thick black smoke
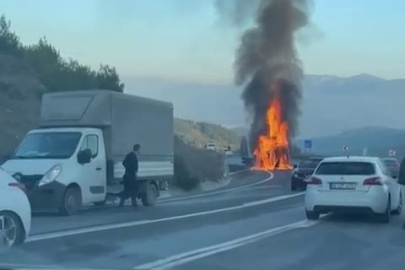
{"x": 267, "y": 54}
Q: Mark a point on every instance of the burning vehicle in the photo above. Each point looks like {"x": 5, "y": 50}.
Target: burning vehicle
{"x": 268, "y": 67}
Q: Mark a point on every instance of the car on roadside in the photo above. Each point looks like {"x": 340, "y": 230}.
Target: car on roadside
{"x": 302, "y": 171}
{"x": 211, "y": 146}
{"x": 15, "y": 212}
{"x": 392, "y": 165}
{"x": 353, "y": 184}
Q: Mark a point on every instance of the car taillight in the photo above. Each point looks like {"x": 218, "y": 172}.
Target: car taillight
{"x": 374, "y": 181}
{"x": 314, "y": 181}
{"x": 18, "y": 185}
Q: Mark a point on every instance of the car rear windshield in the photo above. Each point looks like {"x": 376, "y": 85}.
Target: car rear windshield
{"x": 346, "y": 168}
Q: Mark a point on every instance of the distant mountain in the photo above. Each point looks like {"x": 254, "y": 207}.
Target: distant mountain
{"x": 377, "y": 140}
{"x": 213, "y": 103}
{"x": 362, "y": 83}
{"x": 330, "y": 105}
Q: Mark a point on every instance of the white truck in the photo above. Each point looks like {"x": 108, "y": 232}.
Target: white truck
{"x": 75, "y": 157}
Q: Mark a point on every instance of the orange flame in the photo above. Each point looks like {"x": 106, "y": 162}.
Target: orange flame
{"x": 272, "y": 148}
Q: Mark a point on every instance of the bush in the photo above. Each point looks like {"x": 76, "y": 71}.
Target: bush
{"x": 194, "y": 165}
{"x": 183, "y": 176}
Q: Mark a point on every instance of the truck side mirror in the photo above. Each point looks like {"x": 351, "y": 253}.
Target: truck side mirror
{"x": 84, "y": 156}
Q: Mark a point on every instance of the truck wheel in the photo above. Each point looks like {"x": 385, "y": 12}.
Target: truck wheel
{"x": 12, "y": 230}
{"x": 150, "y": 195}
{"x": 71, "y": 202}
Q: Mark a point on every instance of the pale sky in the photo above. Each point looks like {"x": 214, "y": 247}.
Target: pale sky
{"x": 183, "y": 40}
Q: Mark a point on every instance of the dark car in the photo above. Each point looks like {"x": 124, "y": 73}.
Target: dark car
{"x": 303, "y": 171}
{"x": 392, "y": 165}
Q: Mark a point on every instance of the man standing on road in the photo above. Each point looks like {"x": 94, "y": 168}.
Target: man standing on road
{"x": 401, "y": 178}
{"x": 130, "y": 183}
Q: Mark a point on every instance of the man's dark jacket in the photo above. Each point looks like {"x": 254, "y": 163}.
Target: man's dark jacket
{"x": 131, "y": 166}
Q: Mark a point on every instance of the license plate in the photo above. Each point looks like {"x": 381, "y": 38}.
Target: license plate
{"x": 343, "y": 186}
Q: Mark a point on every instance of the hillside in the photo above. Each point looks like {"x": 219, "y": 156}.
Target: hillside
{"x": 200, "y": 133}
{"x": 330, "y": 104}
{"x": 377, "y": 140}
{"x": 20, "y": 90}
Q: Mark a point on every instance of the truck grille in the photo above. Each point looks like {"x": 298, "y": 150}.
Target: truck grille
{"x": 30, "y": 181}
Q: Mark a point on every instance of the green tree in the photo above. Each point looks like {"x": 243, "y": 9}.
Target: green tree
{"x": 9, "y": 41}
{"x": 107, "y": 78}
{"x": 47, "y": 62}
{"x": 55, "y": 72}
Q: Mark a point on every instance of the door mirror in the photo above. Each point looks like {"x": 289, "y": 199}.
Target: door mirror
{"x": 84, "y": 156}
{"x": 295, "y": 166}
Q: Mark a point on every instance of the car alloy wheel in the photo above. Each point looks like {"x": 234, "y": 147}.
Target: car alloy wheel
{"x": 11, "y": 230}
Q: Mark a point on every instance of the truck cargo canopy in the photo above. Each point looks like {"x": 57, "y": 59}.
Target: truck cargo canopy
{"x": 88, "y": 108}
{"x": 124, "y": 119}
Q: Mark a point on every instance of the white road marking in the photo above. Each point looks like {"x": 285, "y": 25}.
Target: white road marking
{"x": 41, "y": 267}
{"x": 220, "y": 191}
{"x": 189, "y": 256}
{"x": 99, "y": 228}
{"x": 238, "y": 172}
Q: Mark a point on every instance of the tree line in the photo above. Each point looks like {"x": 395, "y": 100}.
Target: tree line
{"x": 55, "y": 72}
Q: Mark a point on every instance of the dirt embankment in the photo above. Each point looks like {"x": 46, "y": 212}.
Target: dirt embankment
{"x": 20, "y": 91}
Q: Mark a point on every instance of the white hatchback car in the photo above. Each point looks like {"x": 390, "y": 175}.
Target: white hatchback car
{"x": 15, "y": 212}
{"x": 350, "y": 184}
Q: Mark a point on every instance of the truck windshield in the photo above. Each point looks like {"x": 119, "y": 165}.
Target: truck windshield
{"x": 48, "y": 145}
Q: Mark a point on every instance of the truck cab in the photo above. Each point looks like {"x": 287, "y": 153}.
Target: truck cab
{"x": 51, "y": 164}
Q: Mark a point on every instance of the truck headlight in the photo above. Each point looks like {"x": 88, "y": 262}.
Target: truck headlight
{"x": 51, "y": 175}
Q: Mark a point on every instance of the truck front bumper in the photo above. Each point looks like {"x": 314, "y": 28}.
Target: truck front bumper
{"x": 47, "y": 197}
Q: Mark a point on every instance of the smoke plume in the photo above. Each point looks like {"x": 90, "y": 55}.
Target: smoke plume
{"x": 267, "y": 55}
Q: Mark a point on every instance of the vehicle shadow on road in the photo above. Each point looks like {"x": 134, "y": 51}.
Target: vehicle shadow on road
{"x": 354, "y": 218}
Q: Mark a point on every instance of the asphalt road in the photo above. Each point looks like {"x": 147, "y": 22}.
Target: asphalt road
{"x": 254, "y": 223}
